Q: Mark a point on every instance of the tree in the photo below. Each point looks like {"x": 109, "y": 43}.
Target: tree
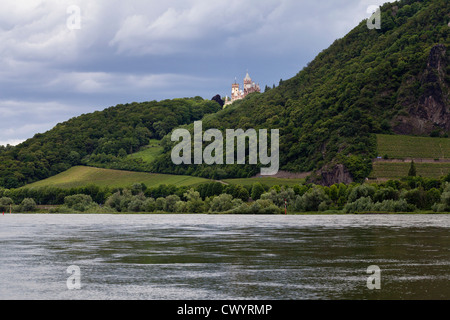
{"x": 122, "y": 153}
{"x": 195, "y": 203}
{"x": 221, "y": 203}
{"x": 242, "y": 193}
{"x": 412, "y": 170}
{"x": 78, "y": 202}
{"x": 171, "y": 202}
{"x": 5, "y": 204}
{"x": 444, "y": 205}
{"x": 28, "y": 205}
{"x": 312, "y": 200}
{"x": 218, "y": 99}
{"x": 257, "y": 191}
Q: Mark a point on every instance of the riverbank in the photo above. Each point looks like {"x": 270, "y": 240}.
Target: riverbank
{"x": 337, "y": 212}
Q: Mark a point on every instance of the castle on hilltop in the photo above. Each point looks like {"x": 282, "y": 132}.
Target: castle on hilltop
{"x": 238, "y": 94}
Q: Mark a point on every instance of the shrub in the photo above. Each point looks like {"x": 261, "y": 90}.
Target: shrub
{"x": 311, "y": 201}
{"x": 160, "y": 204}
{"x": 136, "y": 205}
{"x": 392, "y": 206}
{"x": 385, "y": 194}
{"x": 121, "y": 201}
{"x": 149, "y": 205}
{"x": 181, "y": 207}
{"x": 170, "y": 203}
{"x": 278, "y": 196}
{"x": 447, "y": 177}
{"x": 361, "y": 191}
{"x": 5, "y": 204}
{"x": 360, "y": 205}
{"x": 257, "y": 191}
{"x": 432, "y": 196}
{"x": 416, "y": 197}
{"x": 444, "y": 205}
{"x": 222, "y": 203}
{"x": 28, "y": 205}
{"x": 366, "y": 204}
{"x": 194, "y": 202}
{"x": 78, "y": 202}
{"x": 258, "y": 207}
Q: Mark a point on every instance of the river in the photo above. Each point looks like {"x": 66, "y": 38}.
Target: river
{"x": 221, "y": 257}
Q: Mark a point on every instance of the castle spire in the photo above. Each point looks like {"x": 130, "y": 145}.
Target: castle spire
{"x": 247, "y": 77}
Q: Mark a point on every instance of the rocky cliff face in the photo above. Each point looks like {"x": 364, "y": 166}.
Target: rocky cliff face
{"x": 430, "y": 110}
{"x": 333, "y": 174}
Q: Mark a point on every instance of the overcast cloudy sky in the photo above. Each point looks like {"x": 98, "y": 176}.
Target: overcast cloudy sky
{"x": 125, "y": 51}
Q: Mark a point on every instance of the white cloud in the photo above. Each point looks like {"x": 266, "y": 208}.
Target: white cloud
{"x": 23, "y": 119}
{"x": 12, "y": 142}
{"x": 20, "y": 108}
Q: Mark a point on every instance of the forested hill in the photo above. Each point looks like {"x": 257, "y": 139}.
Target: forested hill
{"x": 117, "y": 131}
{"x": 392, "y": 80}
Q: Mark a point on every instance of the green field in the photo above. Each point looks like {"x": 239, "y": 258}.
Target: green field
{"x": 265, "y": 181}
{"x": 82, "y": 176}
{"x": 149, "y": 153}
{"x": 401, "y": 147}
{"x": 392, "y": 170}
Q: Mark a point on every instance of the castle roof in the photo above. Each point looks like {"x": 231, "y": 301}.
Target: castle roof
{"x": 247, "y": 77}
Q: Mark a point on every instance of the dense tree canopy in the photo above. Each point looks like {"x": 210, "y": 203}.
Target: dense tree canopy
{"x": 329, "y": 112}
{"x": 115, "y": 131}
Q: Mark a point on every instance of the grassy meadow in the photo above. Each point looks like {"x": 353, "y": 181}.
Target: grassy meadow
{"x": 80, "y": 176}
{"x": 149, "y": 153}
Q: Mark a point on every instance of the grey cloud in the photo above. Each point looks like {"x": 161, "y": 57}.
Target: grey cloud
{"x": 144, "y": 50}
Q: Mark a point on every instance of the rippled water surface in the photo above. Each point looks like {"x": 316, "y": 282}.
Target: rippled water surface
{"x": 224, "y": 257}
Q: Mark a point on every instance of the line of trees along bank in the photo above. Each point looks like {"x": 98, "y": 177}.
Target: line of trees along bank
{"x": 408, "y": 195}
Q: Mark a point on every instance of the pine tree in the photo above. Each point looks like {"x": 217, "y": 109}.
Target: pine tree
{"x": 412, "y": 170}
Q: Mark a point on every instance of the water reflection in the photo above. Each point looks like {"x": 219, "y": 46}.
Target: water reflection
{"x": 224, "y": 257}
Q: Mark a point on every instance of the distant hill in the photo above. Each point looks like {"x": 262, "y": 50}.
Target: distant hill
{"x": 101, "y": 137}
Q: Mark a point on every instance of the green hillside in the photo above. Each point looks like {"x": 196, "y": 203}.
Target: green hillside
{"x": 81, "y": 176}
{"x": 149, "y": 153}
{"x": 98, "y": 139}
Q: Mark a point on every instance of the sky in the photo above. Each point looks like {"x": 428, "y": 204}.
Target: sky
{"x": 63, "y": 58}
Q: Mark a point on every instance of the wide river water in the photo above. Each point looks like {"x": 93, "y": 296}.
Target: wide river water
{"x": 221, "y": 257}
